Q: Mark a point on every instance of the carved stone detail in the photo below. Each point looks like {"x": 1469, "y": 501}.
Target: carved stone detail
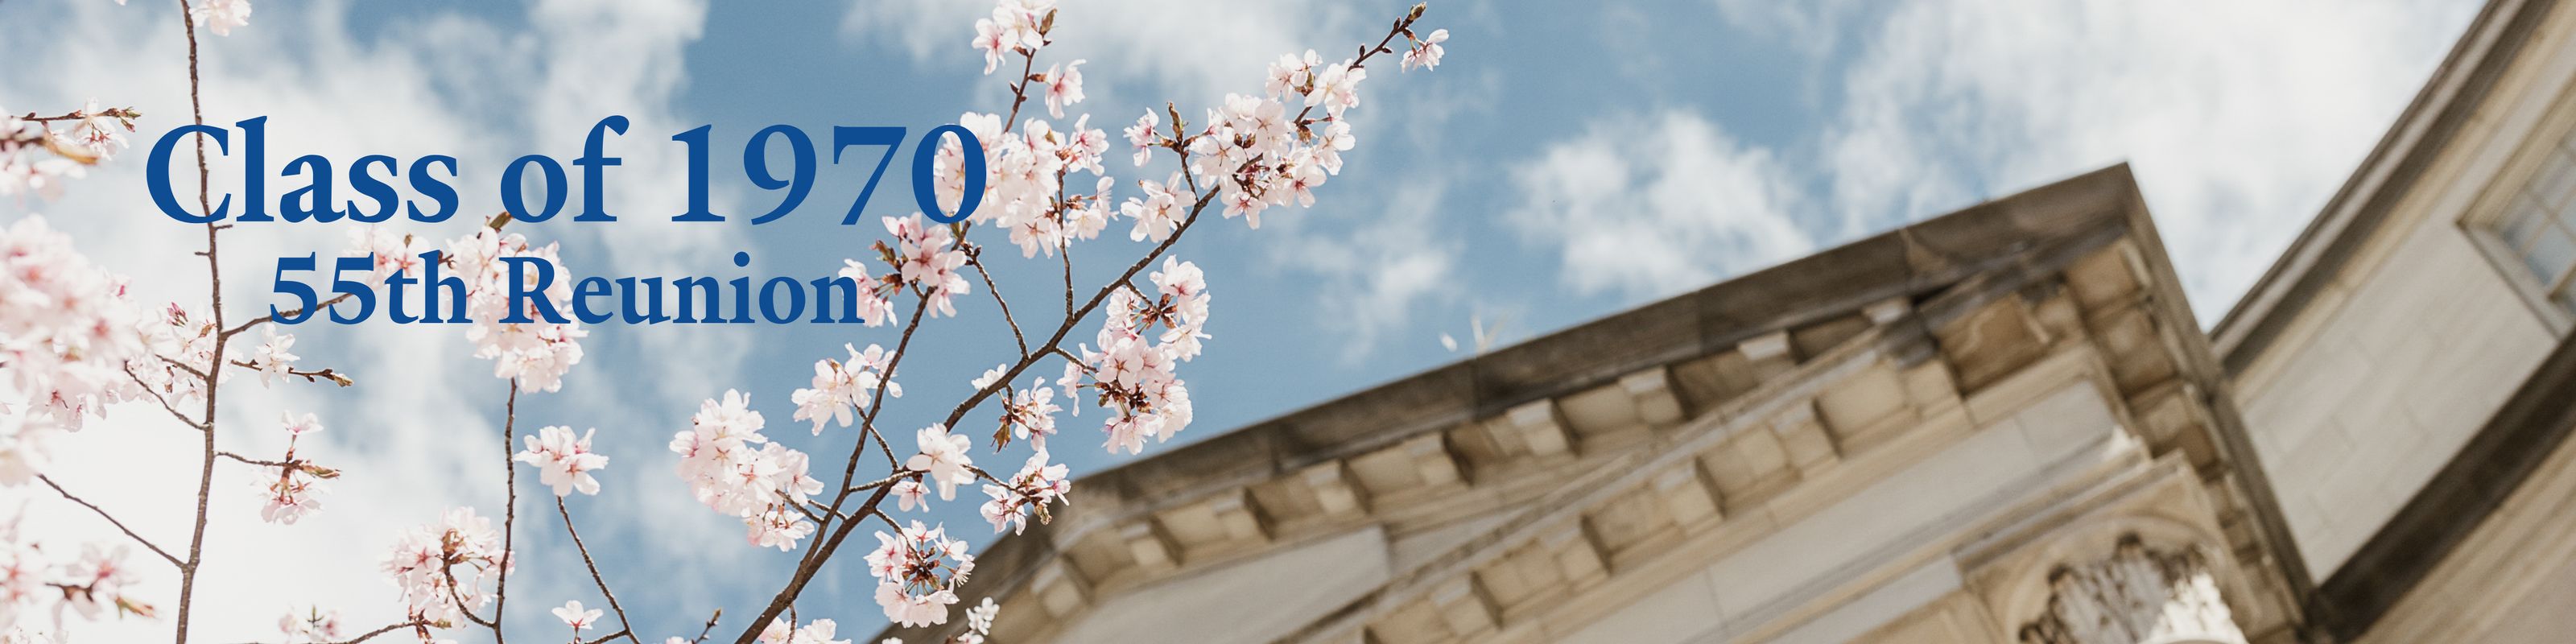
{"x": 2139, "y": 595}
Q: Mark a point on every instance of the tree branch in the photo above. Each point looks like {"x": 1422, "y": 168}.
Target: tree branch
{"x": 509, "y": 513}
{"x": 308, "y": 375}
{"x": 111, "y": 520}
{"x": 245, "y": 326}
{"x": 164, "y": 400}
{"x": 627, "y": 628}
{"x": 974, "y": 257}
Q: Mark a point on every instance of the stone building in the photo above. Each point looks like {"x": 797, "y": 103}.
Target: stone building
{"x": 2003, "y": 424}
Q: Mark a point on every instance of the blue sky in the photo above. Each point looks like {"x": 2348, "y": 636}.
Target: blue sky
{"x": 1567, "y": 161}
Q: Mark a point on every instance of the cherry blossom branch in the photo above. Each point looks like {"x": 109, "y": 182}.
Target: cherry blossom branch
{"x": 626, "y": 629}
{"x": 1075, "y": 318}
{"x": 1020, "y": 90}
{"x": 380, "y": 631}
{"x": 823, "y": 548}
{"x": 802, "y": 508}
{"x": 889, "y": 480}
{"x": 192, "y": 370}
{"x": 1402, "y": 26}
{"x": 509, "y": 513}
{"x": 309, "y": 375}
{"x": 215, "y": 297}
{"x": 876, "y": 403}
{"x": 246, "y": 326}
{"x": 111, "y": 520}
{"x": 164, "y": 400}
{"x": 388, "y": 628}
{"x": 805, "y": 570}
{"x": 627, "y": 633}
{"x": 449, "y": 570}
{"x": 710, "y": 627}
{"x": 253, "y": 461}
{"x": 113, "y": 112}
{"x": 1068, "y": 284}
{"x": 974, "y": 257}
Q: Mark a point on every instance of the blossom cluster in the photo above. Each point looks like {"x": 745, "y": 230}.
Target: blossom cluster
{"x": 1030, "y": 491}
{"x": 35, "y": 159}
{"x": 441, "y": 568}
{"x": 291, "y": 495}
{"x": 66, "y": 332}
{"x": 1024, "y": 190}
{"x": 89, "y": 585}
{"x": 779, "y": 631}
{"x": 843, "y": 386}
{"x": 736, "y": 471}
{"x": 311, "y": 625}
{"x": 562, "y": 461}
{"x": 918, "y": 571}
{"x": 178, "y": 342}
{"x": 1132, "y": 370}
{"x": 219, "y": 16}
{"x": 535, "y": 353}
{"x": 924, "y": 257}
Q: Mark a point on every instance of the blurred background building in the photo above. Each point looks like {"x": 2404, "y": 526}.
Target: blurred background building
{"x": 1999, "y": 425}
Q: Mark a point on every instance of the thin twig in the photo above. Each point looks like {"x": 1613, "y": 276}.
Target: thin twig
{"x": 215, "y": 306}
{"x": 113, "y": 112}
{"x": 308, "y": 375}
{"x": 627, "y": 628}
{"x": 388, "y": 628}
{"x": 974, "y": 257}
{"x": 245, "y": 326}
{"x": 164, "y": 400}
{"x": 510, "y": 512}
{"x": 455, "y": 597}
{"x": 710, "y": 628}
{"x": 254, "y": 461}
{"x": 182, "y": 366}
{"x": 111, "y": 520}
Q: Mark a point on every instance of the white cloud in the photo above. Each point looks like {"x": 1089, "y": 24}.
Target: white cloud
{"x": 1188, "y": 51}
{"x": 2240, "y": 118}
{"x": 1650, "y": 206}
{"x": 1807, "y": 27}
{"x": 1375, "y": 277}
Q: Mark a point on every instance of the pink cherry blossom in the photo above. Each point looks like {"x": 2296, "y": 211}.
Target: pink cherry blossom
{"x": 294, "y": 492}
{"x": 438, "y": 566}
{"x": 1143, "y": 137}
{"x": 1063, "y": 87}
{"x": 1337, "y": 88}
{"x": 221, "y": 16}
{"x": 538, "y": 353}
{"x": 1036, "y": 485}
{"x": 979, "y": 620}
{"x": 841, "y": 387}
{"x": 572, "y": 615}
{"x": 918, "y": 571}
{"x": 944, "y": 458}
{"x": 563, "y": 462}
{"x": 732, "y": 469}
{"x": 909, "y": 494}
{"x": 1426, "y": 51}
{"x": 312, "y": 625}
